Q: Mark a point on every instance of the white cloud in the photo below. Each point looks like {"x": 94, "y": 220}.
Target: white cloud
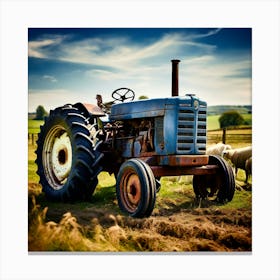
{"x": 215, "y": 78}
{"x": 218, "y": 81}
{"x": 50, "y": 78}
{"x": 34, "y": 48}
{"x": 204, "y": 35}
{"x": 38, "y": 48}
{"x": 102, "y": 74}
{"x": 119, "y": 53}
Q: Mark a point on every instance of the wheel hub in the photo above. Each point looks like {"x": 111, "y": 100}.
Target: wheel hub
{"x": 61, "y": 157}
{"x": 57, "y": 157}
{"x": 133, "y": 189}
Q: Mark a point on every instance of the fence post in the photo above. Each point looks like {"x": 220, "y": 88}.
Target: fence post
{"x": 224, "y": 135}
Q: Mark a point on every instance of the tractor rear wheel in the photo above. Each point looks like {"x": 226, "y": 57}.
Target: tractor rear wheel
{"x": 219, "y": 186}
{"x": 67, "y": 163}
{"x": 136, "y": 188}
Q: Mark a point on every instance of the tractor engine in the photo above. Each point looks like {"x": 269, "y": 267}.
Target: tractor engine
{"x": 135, "y": 137}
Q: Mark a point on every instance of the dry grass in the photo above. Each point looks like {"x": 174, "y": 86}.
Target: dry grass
{"x": 67, "y": 235}
{"x": 102, "y": 230}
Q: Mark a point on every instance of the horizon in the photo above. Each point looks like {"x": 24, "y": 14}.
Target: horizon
{"x": 208, "y": 106}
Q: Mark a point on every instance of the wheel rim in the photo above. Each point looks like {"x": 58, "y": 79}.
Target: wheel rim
{"x": 131, "y": 190}
{"x": 57, "y": 157}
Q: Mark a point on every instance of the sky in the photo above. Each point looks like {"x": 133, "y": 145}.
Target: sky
{"x": 69, "y": 65}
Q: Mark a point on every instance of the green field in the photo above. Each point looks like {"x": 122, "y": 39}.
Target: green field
{"x": 34, "y": 126}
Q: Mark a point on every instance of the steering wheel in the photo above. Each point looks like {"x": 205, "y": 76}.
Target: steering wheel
{"x": 122, "y": 94}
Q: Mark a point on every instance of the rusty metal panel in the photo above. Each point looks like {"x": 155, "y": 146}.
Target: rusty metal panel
{"x": 161, "y": 171}
{"x": 183, "y": 160}
{"x": 93, "y": 109}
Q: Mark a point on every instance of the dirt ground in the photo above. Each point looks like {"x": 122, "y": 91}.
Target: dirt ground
{"x": 176, "y": 228}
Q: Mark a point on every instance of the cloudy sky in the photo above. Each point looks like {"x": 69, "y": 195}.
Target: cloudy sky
{"x": 71, "y": 65}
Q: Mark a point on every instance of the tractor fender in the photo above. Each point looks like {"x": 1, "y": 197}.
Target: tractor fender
{"x": 89, "y": 109}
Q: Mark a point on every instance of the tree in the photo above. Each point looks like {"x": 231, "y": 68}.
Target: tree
{"x": 143, "y": 97}
{"x": 40, "y": 113}
{"x": 230, "y": 118}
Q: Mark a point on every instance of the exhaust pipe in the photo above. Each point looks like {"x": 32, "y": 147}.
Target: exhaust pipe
{"x": 175, "y": 80}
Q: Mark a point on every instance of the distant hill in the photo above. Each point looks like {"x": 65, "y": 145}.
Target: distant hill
{"x": 220, "y": 109}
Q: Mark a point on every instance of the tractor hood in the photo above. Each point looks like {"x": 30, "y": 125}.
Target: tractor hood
{"x": 149, "y": 108}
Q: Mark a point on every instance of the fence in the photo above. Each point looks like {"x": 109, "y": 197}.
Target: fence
{"x": 32, "y": 138}
{"x": 233, "y": 135}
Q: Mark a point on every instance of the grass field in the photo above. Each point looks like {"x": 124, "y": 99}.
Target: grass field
{"x": 178, "y": 222}
{"x": 34, "y": 126}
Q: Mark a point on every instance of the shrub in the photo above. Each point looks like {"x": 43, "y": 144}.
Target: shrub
{"x": 230, "y": 118}
{"x": 40, "y": 113}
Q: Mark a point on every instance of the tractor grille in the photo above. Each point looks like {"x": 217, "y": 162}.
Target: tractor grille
{"x": 191, "y": 130}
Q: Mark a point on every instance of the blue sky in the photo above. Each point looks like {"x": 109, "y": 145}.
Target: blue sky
{"x": 74, "y": 64}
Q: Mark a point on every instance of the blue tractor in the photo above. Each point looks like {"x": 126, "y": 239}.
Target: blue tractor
{"x": 138, "y": 141}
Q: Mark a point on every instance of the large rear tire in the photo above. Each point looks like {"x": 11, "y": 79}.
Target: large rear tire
{"x": 136, "y": 188}
{"x": 220, "y": 186}
{"x": 67, "y": 163}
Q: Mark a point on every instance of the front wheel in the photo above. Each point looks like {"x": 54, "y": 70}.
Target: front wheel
{"x": 219, "y": 186}
{"x": 136, "y": 188}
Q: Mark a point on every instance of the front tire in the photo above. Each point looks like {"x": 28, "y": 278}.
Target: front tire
{"x": 67, "y": 163}
{"x": 136, "y": 188}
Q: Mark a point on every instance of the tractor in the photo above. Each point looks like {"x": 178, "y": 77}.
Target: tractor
{"x": 137, "y": 141}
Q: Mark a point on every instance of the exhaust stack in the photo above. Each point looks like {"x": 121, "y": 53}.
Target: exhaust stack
{"x": 175, "y": 74}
